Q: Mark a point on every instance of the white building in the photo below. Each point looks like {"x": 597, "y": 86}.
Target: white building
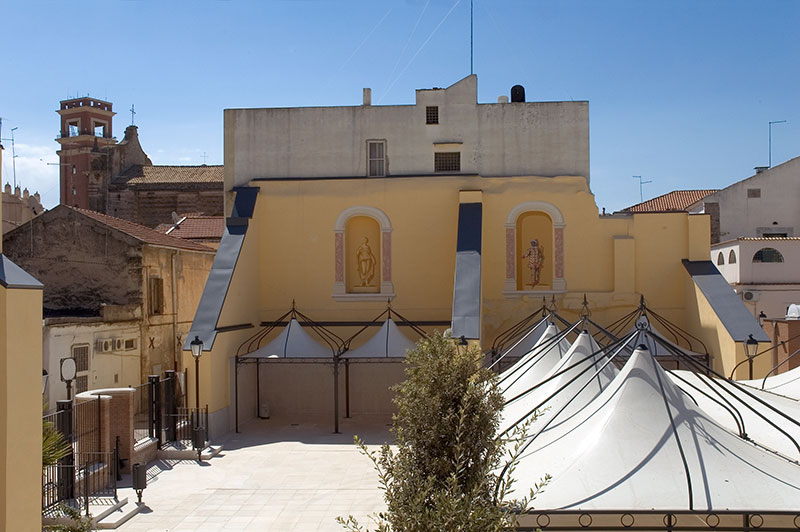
{"x": 762, "y": 205}
{"x": 107, "y": 354}
{"x": 762, "y": 270}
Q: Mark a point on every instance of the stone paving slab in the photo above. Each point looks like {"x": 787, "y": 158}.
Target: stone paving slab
{"x": 273, "y": 476}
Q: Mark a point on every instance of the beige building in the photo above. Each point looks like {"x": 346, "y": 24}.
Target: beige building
{"x": 19, "y": 207}
{"x": 20, "y": 397}
{"x": 113, "y": 290}
{"x": 464, "y": 215}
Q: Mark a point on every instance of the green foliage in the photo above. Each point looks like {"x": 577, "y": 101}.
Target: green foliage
{"x": 79, "y": 523}
{"x": 444, "y": 472}
{"x": 54, "y": 445}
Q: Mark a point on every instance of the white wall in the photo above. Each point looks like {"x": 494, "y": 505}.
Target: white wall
{"x": 773, "y": 285}
{"x": 117, "y": 368}
{"x": 776, "y": 210}
{"x": 541, "y": 139}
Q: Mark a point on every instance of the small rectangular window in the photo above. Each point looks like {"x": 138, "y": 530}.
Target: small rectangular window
{"x": 99, "y": 129}
{"x": 432, "y": 114}
{"x": 130, "y": 343}
{"x": 74, "y": 130}
{"x": 753, "y": 192}
{"x": 156, "y": 294}
{"x": 447, "y": 161}
{"x": 376, "y": 158}
{"x": 81, "y": 355}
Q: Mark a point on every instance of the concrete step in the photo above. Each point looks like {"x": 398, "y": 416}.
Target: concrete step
{"x": 179, "y": 452}
{"x": 114, "y": 518}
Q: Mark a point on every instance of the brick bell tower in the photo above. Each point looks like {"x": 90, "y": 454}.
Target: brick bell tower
{"x": 85, "y": 135}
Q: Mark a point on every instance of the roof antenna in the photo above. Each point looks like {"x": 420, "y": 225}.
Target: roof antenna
{"x": 641, "y": 195}
{"x": 471, "y": 71}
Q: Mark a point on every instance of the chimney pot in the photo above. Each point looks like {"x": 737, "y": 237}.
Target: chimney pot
{"x": 367, "y": 97}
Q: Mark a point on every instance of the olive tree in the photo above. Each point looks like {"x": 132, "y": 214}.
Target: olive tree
{"x": 444, "y": 472}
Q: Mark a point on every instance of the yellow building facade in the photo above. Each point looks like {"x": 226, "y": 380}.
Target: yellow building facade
{"x": 20, "y": 397}
{"x": 459, "y": 214}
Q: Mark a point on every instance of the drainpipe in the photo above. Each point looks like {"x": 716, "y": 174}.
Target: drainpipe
{"x": 173, "y": 284}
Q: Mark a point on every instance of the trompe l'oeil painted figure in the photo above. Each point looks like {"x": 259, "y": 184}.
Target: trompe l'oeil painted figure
{"x": 366, "y": 263}
{"x": 535, "y": 256}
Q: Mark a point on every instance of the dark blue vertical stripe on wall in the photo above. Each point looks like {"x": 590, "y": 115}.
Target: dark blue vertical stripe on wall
{"x": 467, "y": 286}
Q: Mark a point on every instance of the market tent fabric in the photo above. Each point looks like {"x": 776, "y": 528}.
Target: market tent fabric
{"x": 292, "y": 342}
{"x": 528, "y": 340}
{"x": 388, "y": 342}
{"x": 570, "y": 385}
{"x": 628, "y": 447}
{"x": 531, "y": 368}
{"x": 763, "y": 426}
{"x": 787, "y": 383}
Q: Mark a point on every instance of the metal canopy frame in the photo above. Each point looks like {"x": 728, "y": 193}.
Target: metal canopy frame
{"x": 657, "y": 520}
{"x": 335, "y": 343}
{"x": 670, "y": 520}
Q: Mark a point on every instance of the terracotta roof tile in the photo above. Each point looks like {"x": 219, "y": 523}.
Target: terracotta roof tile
{"x": 195, "y": 227}
{"x": 677, "y": 200}
{"x": 142, "y": 174}
{"x": 142, "y": 233}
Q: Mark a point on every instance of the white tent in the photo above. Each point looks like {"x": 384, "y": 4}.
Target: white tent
{"x": 643, "y": 445}
{"x": 388, "y": 342}
{"x": 718, "y": 399}
{"x": 569, "y": 386}
{"x": 527, "y": 341}
{"x": 532, "y": 367}
{"x": 787, "y": 383}
{"x": 292, "y": 342}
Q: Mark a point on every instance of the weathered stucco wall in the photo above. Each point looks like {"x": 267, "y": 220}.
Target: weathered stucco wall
{"x": 546, "y": 139}
{"x": 82, "y": 263}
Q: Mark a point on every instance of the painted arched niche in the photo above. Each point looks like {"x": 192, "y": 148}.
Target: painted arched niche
{"x": 363, "y": 254}
{"x": 543, "y": 222}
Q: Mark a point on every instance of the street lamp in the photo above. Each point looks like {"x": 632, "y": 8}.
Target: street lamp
{"x": 751, "y": 346}
{"x": 197, "y": 351}
{"x": 198, "y": 438}
{"x": 68, "y": 371}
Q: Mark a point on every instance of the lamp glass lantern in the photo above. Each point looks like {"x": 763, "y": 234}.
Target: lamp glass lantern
{"x": 751, "y": 348}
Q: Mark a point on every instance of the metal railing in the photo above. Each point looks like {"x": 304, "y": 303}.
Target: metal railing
{"x": 141, "y": 426}
{"x": 186, "y": 419}
{"x": 92, "y": 475}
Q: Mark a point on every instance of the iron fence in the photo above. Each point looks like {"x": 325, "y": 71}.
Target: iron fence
{"x": 141, "y": 425}
{"x": 185, "y": 420}
{"x": 90, "y": 476}
{"x": 86, "y": 426}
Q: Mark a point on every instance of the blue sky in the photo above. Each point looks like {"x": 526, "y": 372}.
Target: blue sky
{"x": 680, "y": 92}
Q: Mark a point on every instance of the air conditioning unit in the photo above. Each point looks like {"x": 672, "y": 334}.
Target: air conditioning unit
{"x": 749, "y": 295}
{"x": 119, "y": 344}
{"x": 104, "y": 345}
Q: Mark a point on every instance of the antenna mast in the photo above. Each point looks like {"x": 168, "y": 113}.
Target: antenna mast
{"x": 641, "y": 196}
{"x": 471, "y": 71}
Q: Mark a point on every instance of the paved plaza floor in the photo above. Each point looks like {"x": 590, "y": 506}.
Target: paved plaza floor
{"x": 273, "y": 476}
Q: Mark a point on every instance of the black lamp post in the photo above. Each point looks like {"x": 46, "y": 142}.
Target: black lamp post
{"x": 197, "y": 351}
{"x": 198, "y": 437}
{"x": 751, "y": 346}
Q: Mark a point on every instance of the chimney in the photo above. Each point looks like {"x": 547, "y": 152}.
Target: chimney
{"x": 367, "y": 97}
{"x": 502, "y": 99}
{"x": 760, "y": 169}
